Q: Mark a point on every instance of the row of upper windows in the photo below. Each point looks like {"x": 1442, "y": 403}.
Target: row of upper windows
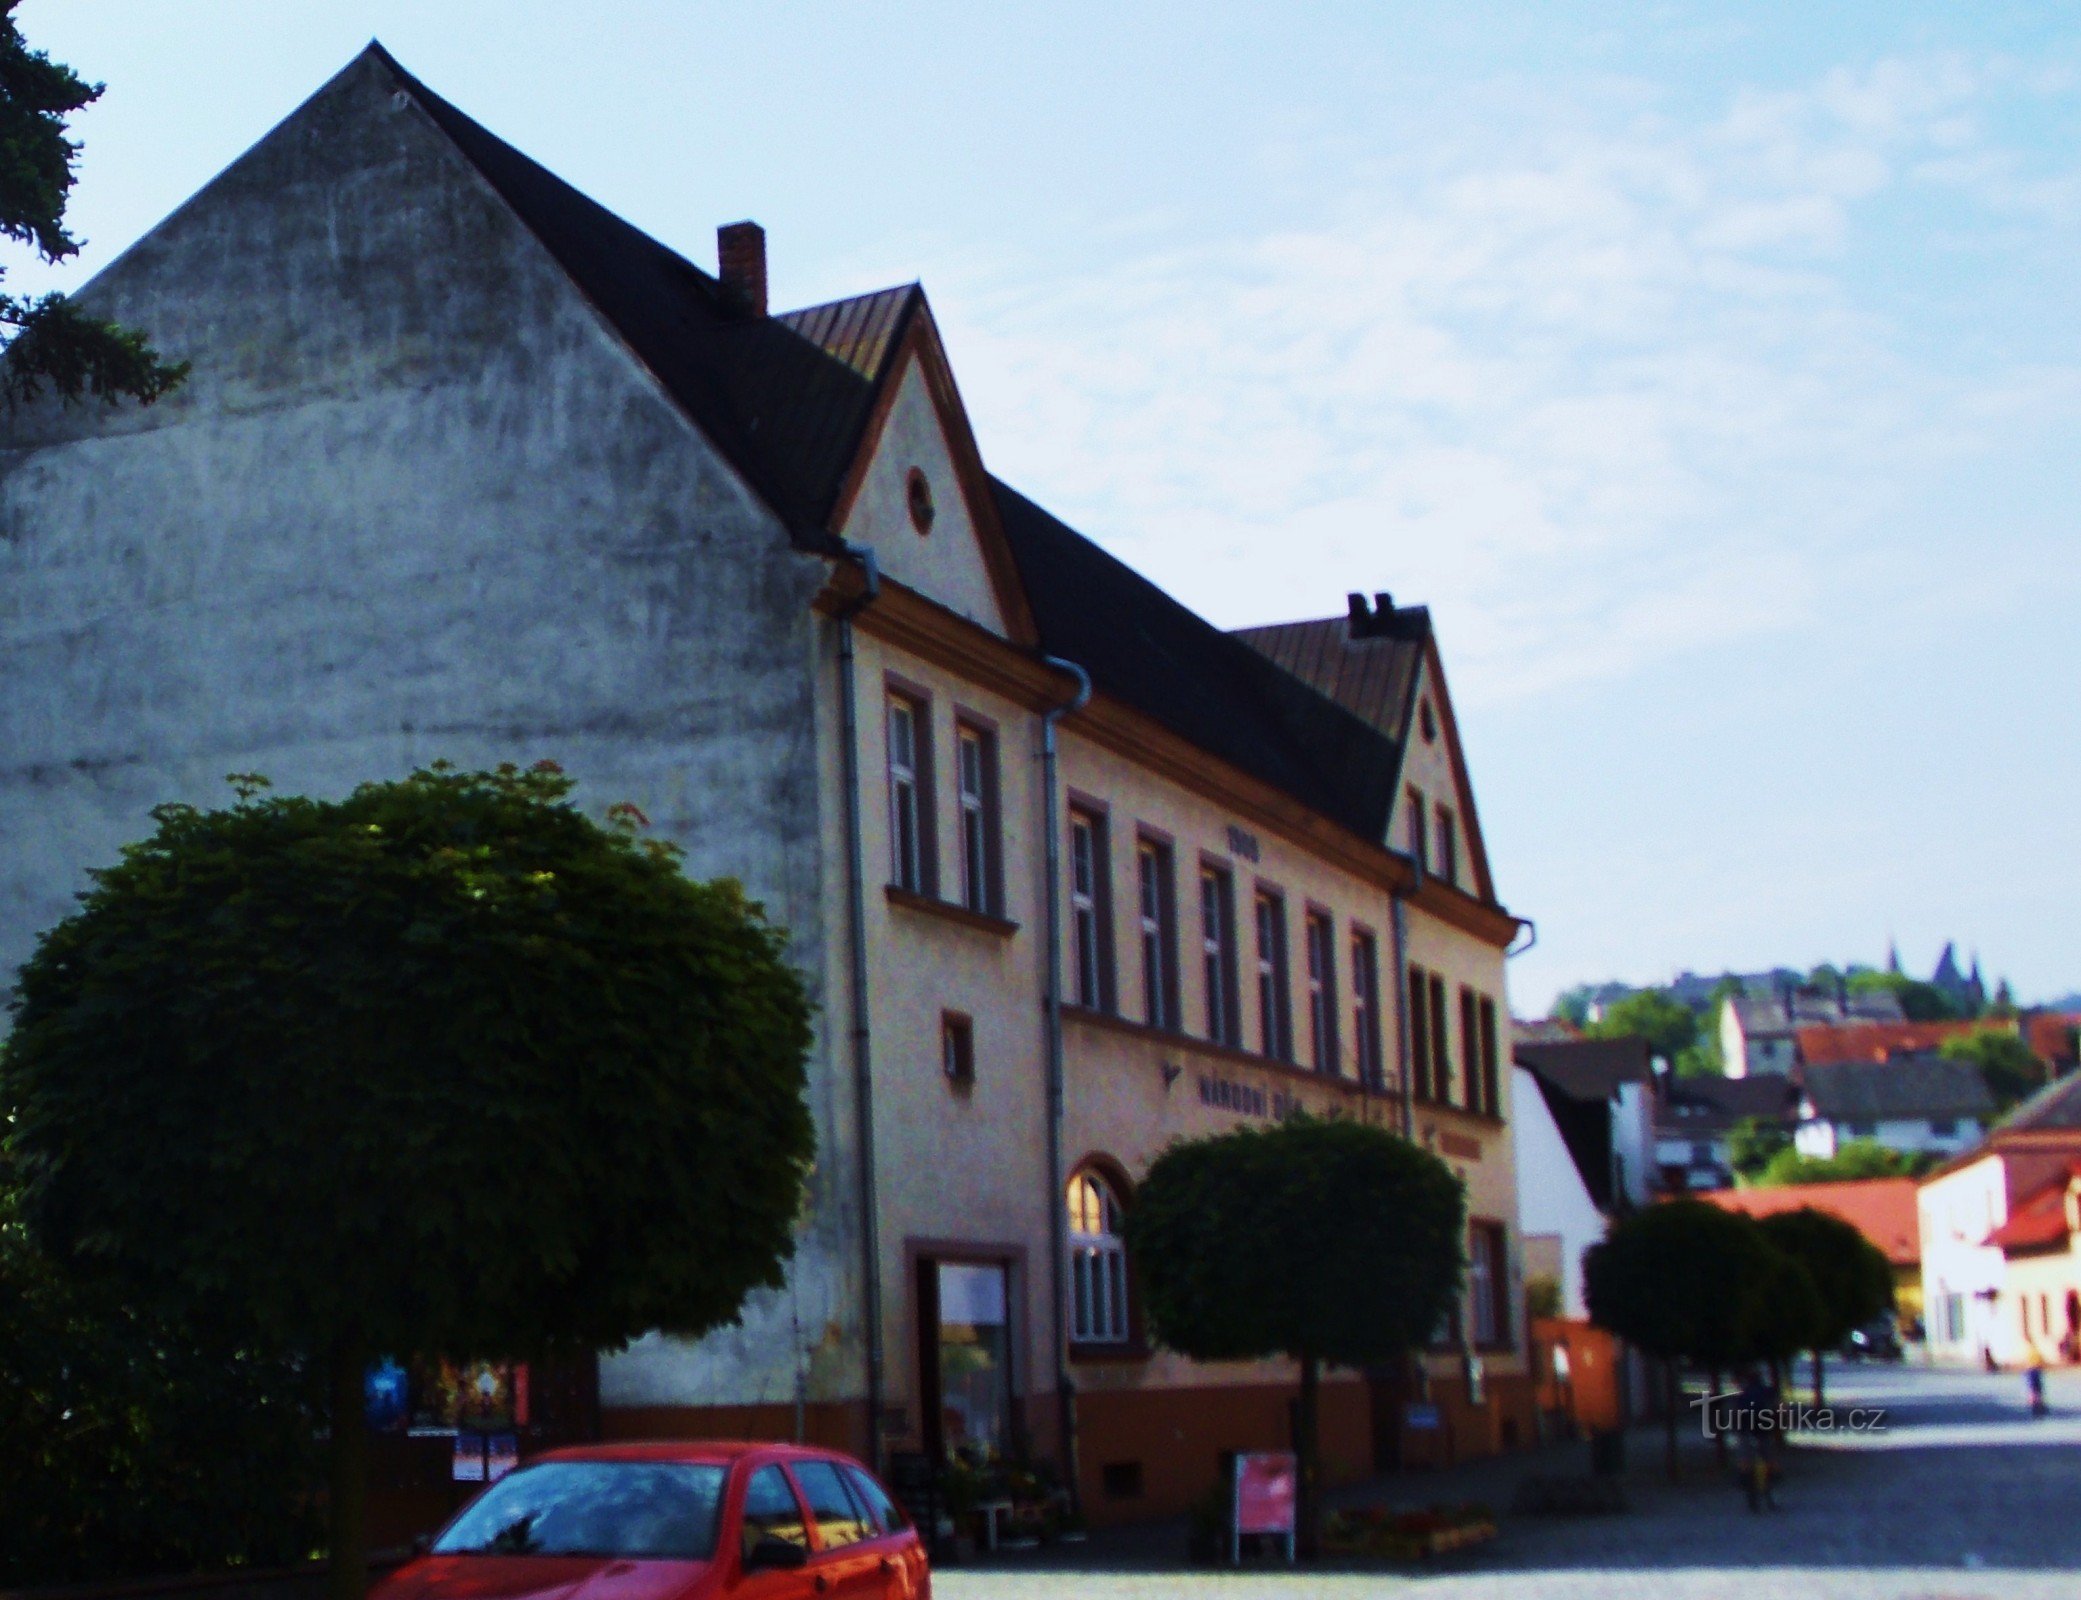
{"x": 1427, "y": 822}
{"x": 1228, "y": 993}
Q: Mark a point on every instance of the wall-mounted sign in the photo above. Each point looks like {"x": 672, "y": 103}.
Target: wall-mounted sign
{"x": 1242, "y": 842}
{"x": 1227, "y": 1095}
{"x": 1421, "y": 1417}
{"x": 1459, "y": 1146}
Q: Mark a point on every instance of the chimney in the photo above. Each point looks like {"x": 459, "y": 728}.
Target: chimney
{"x": 1383, "y": 605}
{"x": 740, "y": 250}
{"x": 1356, "y": 605}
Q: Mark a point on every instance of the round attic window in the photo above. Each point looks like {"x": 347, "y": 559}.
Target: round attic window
{"x": 1427, "y": 720}
{"x": 918, "y": 492}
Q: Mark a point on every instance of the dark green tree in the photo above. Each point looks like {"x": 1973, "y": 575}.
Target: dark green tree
{"x": 1668, "y": 1025}
{"x": 53, "y": 343}
{"x": 131, "y": 1445}
{"x": 1682, "y": 1281}
{"x": 1235, "y": 1263}
{"x": 1851, "y": 1273}
{"x": 2011, "y": 1069}
{"x": 1791, "y": 1315}
{"x": 1919, "y": 1001}
{"x": 1753, "y": 1144}
{"x": 1853, "y": 1159}
{"x": 1572, "y": 1006}
{"x": 442, "y": 1068}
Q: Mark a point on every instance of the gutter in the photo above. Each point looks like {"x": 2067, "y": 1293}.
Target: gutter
{"x": 862, "y": 1041}
{"x": 1058, "y": 1180}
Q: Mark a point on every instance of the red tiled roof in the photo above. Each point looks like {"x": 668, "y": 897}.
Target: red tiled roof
{"x": 2050, "y": 1035}
{"x": 1825, "y": 1042}
{"x": 1882, "y": 1209}
{"x": 2041, "y": 1220}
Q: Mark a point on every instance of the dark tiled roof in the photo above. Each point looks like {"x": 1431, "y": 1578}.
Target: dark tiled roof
{"x": 1173, "y": 665}
{"x": 1707, "y": 1104}
{"x": 785, "y": 412}
{"x": 1587, "y": 1069}
{"x": 1767, "y": 1015}
{"x": 1371, "y": 675}
{"x": 1907, "y": 1086}
{"x": 2056, "y": 1107}
{"x": 862, "y": 330}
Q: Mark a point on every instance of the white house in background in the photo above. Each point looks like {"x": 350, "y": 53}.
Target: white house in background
{"x": 1695, "y": 1120}
{"x": 1964, "y": 1201}
{"x": 1758, "y": 1034}
{"x": 1584, "y": 1144}
{"x": 1915, "y": 1103}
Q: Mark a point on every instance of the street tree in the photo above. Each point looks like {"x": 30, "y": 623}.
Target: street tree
{"x": 1753, "y": 1144}
{"x": 1682, "y": 1281}
{"x": 2011, "y": 1070}
{"x": 1853, "y": 1159}
{"x": 1228, "y": 1240}
{"x": 442, "y": 1068}
{"x": 53, "y": 343}
{"x": 1852, "y": 1274}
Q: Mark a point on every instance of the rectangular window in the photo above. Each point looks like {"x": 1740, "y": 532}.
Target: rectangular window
{"x": 1470, "y": 1052}
{"x": 1365, "y": 1005}
{"x": 1274, "y": 992}
{"x": 1157, "y": 900}
{"x": 909, "y": 792}
{"x": 982, "y": 871}
{"x": 1487, "y": 1284}
{"x": 1322, "y": 993}
{"x": 1419, "y": 829}
{"x": 1217, "y": 919}
{"x": 957, "y": 1048}
{"x": 1419, "y": 1034}
{"x": 1942, "y": 1127}
{"x": 1448, "y": 845}
{"x": 1090, "y": 911}
{"x": 1441, "y": 1042}
{"x": 1491, "y": 1070}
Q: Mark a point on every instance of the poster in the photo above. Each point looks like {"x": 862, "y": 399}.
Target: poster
{"x": 501, "y": 1455}
{"x": 1266, "y": 1487}
{"x": 469, "y": 1458}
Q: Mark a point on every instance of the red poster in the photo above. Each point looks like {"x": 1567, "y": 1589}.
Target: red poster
{"x": 1265, "y": 1492}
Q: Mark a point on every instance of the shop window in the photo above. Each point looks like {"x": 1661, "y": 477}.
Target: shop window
{"x": 1098, "y": 1263}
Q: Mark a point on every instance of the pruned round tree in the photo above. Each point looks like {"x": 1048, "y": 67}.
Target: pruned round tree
{"x": 1681, "y": 1281}
{"x": 443, "y": 1067}
{"x": 1852, "y": 1275}
{"x": 1325, "y": 1241}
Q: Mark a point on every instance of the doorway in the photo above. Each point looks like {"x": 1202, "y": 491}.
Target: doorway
{"x": 964, "y": 1323}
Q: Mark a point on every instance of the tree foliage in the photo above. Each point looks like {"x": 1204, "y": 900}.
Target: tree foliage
{"x": 1853, "y": 1159}
{"x": 1681, "y": 1281}
{"x": 1919, "y": 1001}
{"x": 1667, "y": 1024}
{"x": 1753, "y": 1144}
{"x": 1852, "y": 1274}
{"x": 2012, "y": 1071}
{"x": 130, "y": 1444}
{"x": 55, "y": 343}
{"x": 1321, "y": 1240}
{"x": 444, "y": 1067}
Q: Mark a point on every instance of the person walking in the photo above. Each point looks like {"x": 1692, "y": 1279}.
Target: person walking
{"x": 2034, "y": 1385}
{"x": 1757, "y": 1423}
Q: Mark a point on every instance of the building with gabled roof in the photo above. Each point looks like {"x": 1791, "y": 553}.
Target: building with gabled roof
{"x": 1918, "y": 1103}
{"x": 468, "y": 468}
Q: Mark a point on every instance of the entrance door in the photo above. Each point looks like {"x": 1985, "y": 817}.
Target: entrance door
{"x": 968, "y": 1359}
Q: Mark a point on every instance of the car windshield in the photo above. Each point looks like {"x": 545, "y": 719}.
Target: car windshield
{"x": 639, "y": 1510}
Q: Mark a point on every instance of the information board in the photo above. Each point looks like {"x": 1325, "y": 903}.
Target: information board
{"x": 1265, "y": 1500}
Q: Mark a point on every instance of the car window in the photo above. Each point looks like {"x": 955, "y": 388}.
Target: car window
{"x": 883, "y": 1512}
{"x": 639, "y": 1510}
{"x": 838, "y": 1519}
{"x": 771, "y": 1510}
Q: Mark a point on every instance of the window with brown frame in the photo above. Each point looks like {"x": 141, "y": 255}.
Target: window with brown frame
{"x": 1470, "y": 1050}
{"x": 1488, "y": 1285}
{"x": 1441, "y": 1042}
{"x": 1448, "y": 845}
{"x": 1274, "y": 987}
{"x": 1365, "y": 1006}
{"x": 1419, "y": 1034}
{"x": 1491, "y": 1070}
{"x": 975, "y": 780}
{"x": 1419, "y": 828}
{"x": 1156, "y": 905}
{"x": 1090, "y": 910}
{"x": 1321, "y": 940}
{"x": 911, "y": 864}
{"x": 1217, "y": 921}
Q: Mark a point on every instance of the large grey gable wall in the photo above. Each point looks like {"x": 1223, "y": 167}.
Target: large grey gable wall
{"x": 416, "y": 501}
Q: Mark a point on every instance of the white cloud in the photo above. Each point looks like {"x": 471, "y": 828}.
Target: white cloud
{"x": 1598, "y": 390}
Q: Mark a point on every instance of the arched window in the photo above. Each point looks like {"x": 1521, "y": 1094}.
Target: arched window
{"x": 1098, "y": 1262}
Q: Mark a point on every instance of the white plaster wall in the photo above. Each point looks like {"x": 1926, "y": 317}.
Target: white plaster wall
{"x": 1551, "y": 1196}
{"x": 1955, "y": 1213}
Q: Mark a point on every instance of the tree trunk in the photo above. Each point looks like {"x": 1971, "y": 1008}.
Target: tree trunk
{"x": 1819, "y": 1399}
{"x": 1669, "y": 1397}
{"x": 347, "y": 1578}
{"x": 1308, "y": 1499}
{"x": 1719, "y": 1439}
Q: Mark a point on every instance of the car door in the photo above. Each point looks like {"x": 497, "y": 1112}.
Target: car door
{"x": 771, "y": 1510}
{"x": 845, "y": 1564}
{"x": 903, "y": 1562}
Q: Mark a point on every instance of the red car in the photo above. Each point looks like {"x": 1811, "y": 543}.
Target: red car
{"x": 675, "y": 1522}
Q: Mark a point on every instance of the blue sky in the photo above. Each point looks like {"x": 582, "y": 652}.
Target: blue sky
{"x": 1714, "y": 372}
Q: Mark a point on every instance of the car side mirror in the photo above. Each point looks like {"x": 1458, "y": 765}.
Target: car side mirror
{"x": 775, "y": 1554}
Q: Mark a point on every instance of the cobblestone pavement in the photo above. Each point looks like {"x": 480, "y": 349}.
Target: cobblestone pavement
{"x": 1962, "y": 1494}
